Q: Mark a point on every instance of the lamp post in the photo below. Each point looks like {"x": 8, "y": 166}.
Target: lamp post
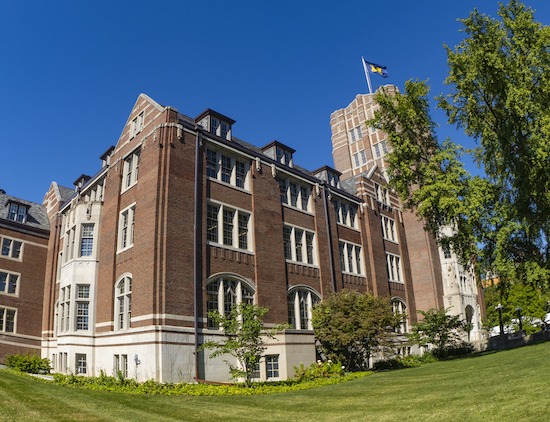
{"x": 499, "y": 309}
{"x": 518, "y": 310}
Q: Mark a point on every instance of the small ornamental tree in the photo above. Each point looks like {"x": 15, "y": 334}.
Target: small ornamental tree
{"x": 438, "y": 329}
{"x": 350, "y": 326}
{"x": 244, "y": 339}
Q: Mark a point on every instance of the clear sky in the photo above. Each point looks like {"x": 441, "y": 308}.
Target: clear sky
{"x": 70, "y": 71}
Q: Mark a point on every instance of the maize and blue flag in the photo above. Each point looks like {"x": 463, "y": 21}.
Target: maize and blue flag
{"x": 376, "y": 68}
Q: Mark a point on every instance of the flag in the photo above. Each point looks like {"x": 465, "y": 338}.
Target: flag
{"x": 376, "y": 68}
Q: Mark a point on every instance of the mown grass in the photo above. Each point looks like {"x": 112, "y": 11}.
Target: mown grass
{"x": 511, "y": 385}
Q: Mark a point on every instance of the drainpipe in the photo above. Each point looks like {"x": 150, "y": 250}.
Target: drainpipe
{"x": 329, "y": 234}
{"x": 196, "y": 249}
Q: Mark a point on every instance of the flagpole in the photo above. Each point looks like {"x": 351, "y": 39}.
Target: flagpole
{"x": 367, "y": 74}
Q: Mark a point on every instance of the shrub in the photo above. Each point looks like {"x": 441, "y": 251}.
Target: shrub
{"x": 455, "y": 350}
{"x": 319, "y": 369}
{"x": 410, "y": 361}
{"x": 32, "y": 364}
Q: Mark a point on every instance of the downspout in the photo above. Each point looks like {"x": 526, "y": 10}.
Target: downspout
{"x": 329, "y": 235}
{"x": 196, "y": 250}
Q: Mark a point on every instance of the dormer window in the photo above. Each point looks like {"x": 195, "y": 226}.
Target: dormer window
{"x": 17, "y": 212}
{"x": 329, "y": 175}
{"x": 215, "y": 123}
{"x": 279, "y": 152}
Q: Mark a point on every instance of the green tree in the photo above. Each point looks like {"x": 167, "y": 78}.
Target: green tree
{"x": 244, "y": 339}
{"x": 438, "y": 329}
{"x": 500, "y": 94}
{"x": 351, "y": 326}
{"x": 530, "y": 299}
{"x": 499, "y": 83}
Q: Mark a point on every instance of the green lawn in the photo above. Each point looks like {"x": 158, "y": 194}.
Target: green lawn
{"x": 511, "y": 385}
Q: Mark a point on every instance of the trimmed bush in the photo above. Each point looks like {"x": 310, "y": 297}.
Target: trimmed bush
{"x": 456, "y": 350}
{"x": 319, "y": 369}
{"x": 31, "y": 364}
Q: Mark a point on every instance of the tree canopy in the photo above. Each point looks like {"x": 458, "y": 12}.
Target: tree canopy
{"x": 499, "y": 80}
{"x": 350, "y": 326}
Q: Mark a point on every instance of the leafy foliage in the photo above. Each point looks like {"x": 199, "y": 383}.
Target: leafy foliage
{"x": 244, "y": 338}
{"x": 499, "y": 81}
{"x": 438, "y": 329}
{"x": 107, "y": 383}
{"x": 533, "y": 304}
{"x": 30, "y": 363}
{"x": 410, "y": 361}
{"x": 318, "y": 369}
{"x": 350, "y": 326}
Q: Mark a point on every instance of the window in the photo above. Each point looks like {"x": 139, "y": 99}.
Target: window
{"x": 355, "y": 134}
{"x": 120, "y": 365}
{"x": 223, "y": 293}
{"x": 214, "y": 123}
{"x": 346, "y": 213}
{"x": 123, "y": 303}
{"x": 272, "y": 366}
{"x": 356, "y": 159}
{"x": 17, "y": 212}
{"x": 8, "y": 282}
{"x": 211, "y": 163}
{"x": 7, "y": 320}
{"x": 82, "y": 306}
{"x": 399, "y": 308}
{"x": 130, "y": 170}
{"x": 64, "y": 309}
{"x": 243, "y": 230}
{"x": 80, "y": 361}
{"x": 232, "y": 230}
{"x": 86, "y": 240}
{"x": 294, "y": 193}
{"x": 126, "y": 228}
{"x": 446, "y": 252}
{"x": 227, "y": 168}
{"x": 350, "y": 258}
{"x": 363, "y": 156}
{"x": 393, "y": 264}
{"x": 137, "y": 124}
{"x": 300, "y": 304}
{"x": 382, "y": 194}
{"x": 388, "y": 229}
{"x": 212, "y": 222}
{"x": 11, "y": 248}
{"x": 380, "y": 149}
{"x": 224, "y": 129}
{"x": 294, "y": 240}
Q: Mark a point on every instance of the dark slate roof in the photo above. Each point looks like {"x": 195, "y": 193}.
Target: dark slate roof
{"x": 36, "y": 215}
{"x": 65, "y": 193}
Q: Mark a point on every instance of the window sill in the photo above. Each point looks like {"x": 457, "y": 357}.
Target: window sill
{"x": 354, "y": 274}
{"x": 125, "y": 249}
{"x": 297, "y": 209}
{"x": 229, "y": 185}
{"x": 395, "y": 242}
{"x": 123, "y": 190}
{"x": 230, "y": 248}
{"x": 348, "y": 227}
{"x": 304, "y": 264}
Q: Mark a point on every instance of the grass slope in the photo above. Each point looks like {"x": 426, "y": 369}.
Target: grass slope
{"x": 510, "y": 385}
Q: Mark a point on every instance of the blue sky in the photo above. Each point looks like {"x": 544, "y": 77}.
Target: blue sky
{"x": 70, "y": 71}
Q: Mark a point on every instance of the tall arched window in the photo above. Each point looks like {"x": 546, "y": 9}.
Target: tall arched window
{"x": 300, "y": 305}
{"x": 223, "y": 293}
{"x": 123, "y": 303}
{"x": 399, "y": 308}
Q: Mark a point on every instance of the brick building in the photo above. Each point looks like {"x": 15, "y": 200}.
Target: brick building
{"x": 183, "y": 218}
{"x": 439, "y": 278}
{"x": 24, "y": 233}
